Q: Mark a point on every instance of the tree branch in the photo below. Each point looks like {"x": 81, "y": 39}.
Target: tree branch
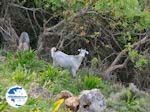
{"x": 114, "y": 64}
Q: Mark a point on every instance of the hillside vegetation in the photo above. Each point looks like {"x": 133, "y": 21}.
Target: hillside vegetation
{"x": 26, "y": 70}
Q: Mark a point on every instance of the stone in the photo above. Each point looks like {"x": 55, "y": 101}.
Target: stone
{"x": 37, "y": 91}
{"x": 2, "y": 58}
{"x": 92, "y": 101}
{"x": 64, "y": 94}
{"x": 72, "y": 103}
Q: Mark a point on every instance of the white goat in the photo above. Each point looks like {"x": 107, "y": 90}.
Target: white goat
{"x": 70, "y": 62}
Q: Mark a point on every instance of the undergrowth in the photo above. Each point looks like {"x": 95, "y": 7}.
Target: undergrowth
{"x": 23, "y": 68}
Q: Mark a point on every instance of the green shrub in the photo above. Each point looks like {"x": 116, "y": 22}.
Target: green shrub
{"x": 50, "y": 74}
{"x": 27, "y": 59}
{"x": 3, "y": 103}
{"x": 91, "y": 82}
{"x": 127, "y": 15}
{"x": 139, "y": 60}
{"x": 21, "y": 75}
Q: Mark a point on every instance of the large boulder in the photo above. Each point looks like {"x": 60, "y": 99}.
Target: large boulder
{"x": 92, "y": 101}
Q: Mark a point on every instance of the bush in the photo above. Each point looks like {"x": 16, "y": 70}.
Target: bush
{"x": 91, "y": 82}
{"x": 27, "y": 59}
{"x": 21, "y": 76}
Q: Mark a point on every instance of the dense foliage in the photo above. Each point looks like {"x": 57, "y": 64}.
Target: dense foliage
{"x": 56, "y": 80}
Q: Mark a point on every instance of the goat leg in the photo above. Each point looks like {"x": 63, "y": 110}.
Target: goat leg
{"x": 73, "y": 72}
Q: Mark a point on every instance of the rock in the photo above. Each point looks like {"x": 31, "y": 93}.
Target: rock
{"x": 2, "y": 58}
{"x": 92, "y": 101}
{"x": 72, "y": 103}
{"x": 37, "y": 91}
{"x": 64, "y": 94}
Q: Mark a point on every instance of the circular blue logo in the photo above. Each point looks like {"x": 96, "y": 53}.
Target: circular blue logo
{"x": 16, "y": 96}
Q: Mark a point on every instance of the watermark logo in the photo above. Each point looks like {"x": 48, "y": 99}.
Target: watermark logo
{"x": 16, "y": 96}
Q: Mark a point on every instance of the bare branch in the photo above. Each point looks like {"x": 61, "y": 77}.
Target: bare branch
{"x": 115, "y": 64}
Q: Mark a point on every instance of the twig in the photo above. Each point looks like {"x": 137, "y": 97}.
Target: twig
{"x": 80, "y": 13}
{"x": 34, "y": 16}
{"x": 5, "y": 31}
{"x": 113, "y": 38}
{"x": 25, "y": 8}
{"x": 35, "y": 34}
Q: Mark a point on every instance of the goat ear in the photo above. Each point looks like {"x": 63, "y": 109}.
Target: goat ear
{"x": 79, "y": 50}
{"x": 87, "y": 52}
